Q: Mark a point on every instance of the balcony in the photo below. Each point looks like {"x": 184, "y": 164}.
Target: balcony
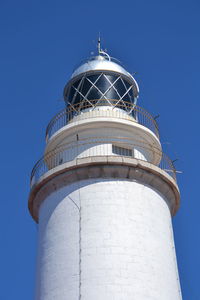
{"x": 94, "y": 109}
{"x": 101, "y": 147}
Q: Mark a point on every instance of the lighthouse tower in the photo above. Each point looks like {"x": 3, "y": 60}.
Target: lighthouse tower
{"x": 103, "y": 195}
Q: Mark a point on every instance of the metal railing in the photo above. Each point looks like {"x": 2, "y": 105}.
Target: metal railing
{"x": 125, "y": 110}
{"x": 101, "y": 146}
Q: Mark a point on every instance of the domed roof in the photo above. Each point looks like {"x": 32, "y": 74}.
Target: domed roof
{"x": 99, "y": 63}
{"x": 103, "y": 62}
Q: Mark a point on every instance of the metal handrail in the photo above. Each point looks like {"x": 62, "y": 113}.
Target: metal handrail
{"x": 134, "y": 113}
{"x": 69, "y": 151}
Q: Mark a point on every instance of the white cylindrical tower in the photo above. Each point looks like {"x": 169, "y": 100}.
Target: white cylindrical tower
{"x": 103, "y": 195}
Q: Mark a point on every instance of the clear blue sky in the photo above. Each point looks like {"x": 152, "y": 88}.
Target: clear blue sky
{"x": 40, "y": 43}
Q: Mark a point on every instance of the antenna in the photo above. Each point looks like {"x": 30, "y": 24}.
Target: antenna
{"x": 100, "y": 51}
{"x": 99, "y": 44}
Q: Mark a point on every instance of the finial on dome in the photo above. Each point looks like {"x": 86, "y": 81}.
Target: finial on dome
{"x": 99, "y": 44}
{"x": 102, "y": 53}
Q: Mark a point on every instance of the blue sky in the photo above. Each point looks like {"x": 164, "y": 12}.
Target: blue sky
{"x": 40, "y": 43}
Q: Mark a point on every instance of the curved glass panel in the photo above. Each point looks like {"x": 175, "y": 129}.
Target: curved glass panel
{"x": 102, "y": 88}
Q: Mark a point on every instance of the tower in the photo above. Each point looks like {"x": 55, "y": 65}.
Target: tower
{"x": 103, "y": 194}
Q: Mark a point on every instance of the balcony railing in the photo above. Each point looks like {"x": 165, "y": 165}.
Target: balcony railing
{"x": 125, "y": 110}
{"x": 101, "y": 146}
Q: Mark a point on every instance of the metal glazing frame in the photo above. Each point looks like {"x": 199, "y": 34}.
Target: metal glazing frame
{"x": 88, "y": 102}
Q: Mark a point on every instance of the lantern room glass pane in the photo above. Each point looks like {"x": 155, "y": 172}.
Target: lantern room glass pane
{"x": 120, "y": 87}
{"x": 101, "y": 86}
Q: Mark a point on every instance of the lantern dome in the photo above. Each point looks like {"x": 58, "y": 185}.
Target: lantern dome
{"x": 101, "y": 80}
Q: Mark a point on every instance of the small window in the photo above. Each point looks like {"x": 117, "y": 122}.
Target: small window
{"x": 122, "y": 151}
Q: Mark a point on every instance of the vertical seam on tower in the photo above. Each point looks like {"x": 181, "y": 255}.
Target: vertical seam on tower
{"x": 79, "y": 238}
{"x": 80, "y": 249}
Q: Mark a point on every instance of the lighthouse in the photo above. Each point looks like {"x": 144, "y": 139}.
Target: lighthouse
{"x": 104, "y": 194}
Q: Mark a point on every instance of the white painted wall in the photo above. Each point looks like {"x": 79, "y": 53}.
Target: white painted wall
{"x": 100, "y": 129}
{"x": 98, "y": 147}
{"x": 94, "y": 147}
{"x": 126, "y": 243}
